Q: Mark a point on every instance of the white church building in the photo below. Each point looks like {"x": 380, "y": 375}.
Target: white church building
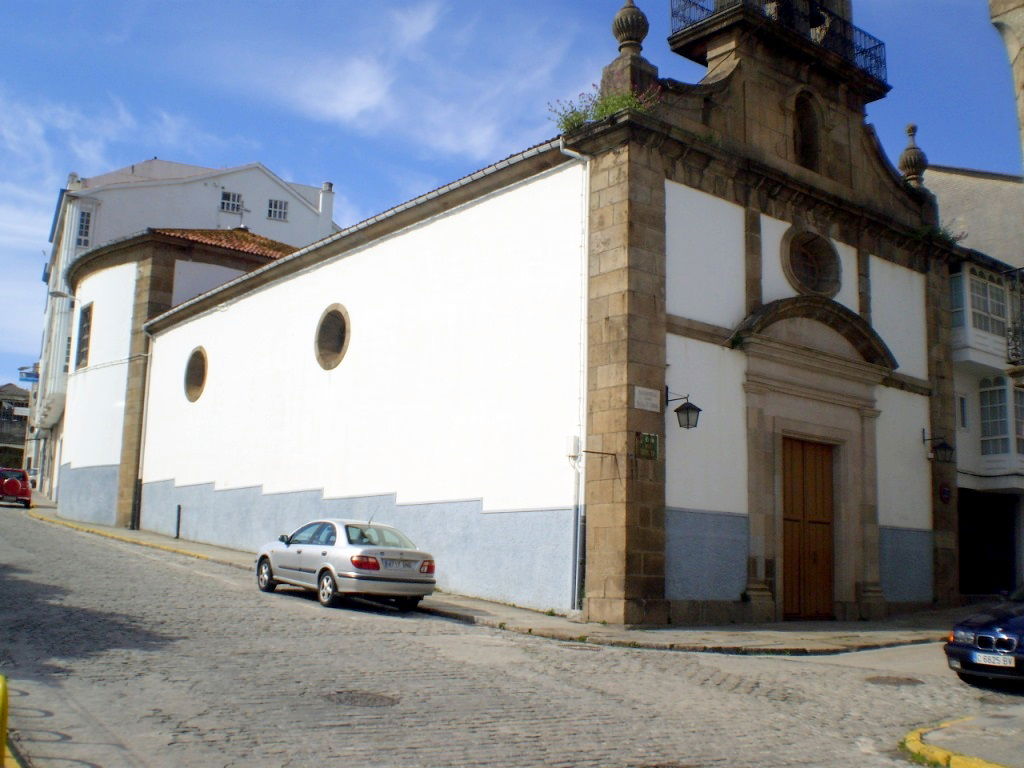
{"x": 496, "y": 367}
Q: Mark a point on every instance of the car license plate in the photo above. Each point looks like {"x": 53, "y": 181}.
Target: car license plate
{"x": 992, "y": 659}
{"x": 10, "y": 499}
{"x": 398, "y": 564}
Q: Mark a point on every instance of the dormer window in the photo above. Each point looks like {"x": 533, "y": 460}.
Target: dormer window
{"x": 277, "y": 210}
{"x": 806, "y": 133}
{"x": 84, "y": 229}
{"x": 231, "y": 202}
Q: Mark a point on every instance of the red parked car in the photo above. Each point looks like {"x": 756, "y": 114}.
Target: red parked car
{"x": 15, "y": 488}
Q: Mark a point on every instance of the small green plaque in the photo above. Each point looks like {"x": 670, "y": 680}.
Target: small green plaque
{"x": 646, "y": 445}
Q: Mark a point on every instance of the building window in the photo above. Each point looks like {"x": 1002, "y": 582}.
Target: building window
{"x": 812, "y": 265}
{"x": 84, "y": 331}
{"x": 332, "y": 337}
{"x": 995, "y": 437}
{"x": 1018, "y": 417}
{"x": 231, "y": 202}
{"x": 84, "y": 228}
{"x": 988, "y": 303}
{"x": 195, "y": 374}
{"x": 806, "y": 139}
{"x": 956, "y": 300}
{"x": 277, "y": 210}
{"x": 961, "y": 402}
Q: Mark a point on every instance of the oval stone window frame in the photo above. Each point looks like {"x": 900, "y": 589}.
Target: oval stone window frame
{"x": 811, "y": 264}
{"x": 195, "y": 374}
{"x": 330, "y": 342}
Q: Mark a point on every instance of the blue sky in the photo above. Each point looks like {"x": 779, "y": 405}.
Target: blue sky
{"x": 387, "y": 99}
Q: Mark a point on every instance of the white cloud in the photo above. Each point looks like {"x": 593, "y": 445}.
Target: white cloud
{"x": 412, "y": 25}
{"x": 335, "y": 90}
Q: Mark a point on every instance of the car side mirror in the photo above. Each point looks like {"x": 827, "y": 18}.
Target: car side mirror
{"x": 285, "y": 539}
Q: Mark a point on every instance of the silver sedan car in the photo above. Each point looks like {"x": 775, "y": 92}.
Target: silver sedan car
{"x": 348, "y": 557}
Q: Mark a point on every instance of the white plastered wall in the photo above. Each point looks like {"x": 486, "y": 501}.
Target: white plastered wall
{"x": 904, "y": 475}
{"x": 192, "y": 278}
{"x": 462, "y": 378}
{"x": 706, "y": 467}
{"x": 705, "y": 257}
{"x": 94, "y": 414}
{"x": 899, "y": 315}
{"x": 775, "y": 285}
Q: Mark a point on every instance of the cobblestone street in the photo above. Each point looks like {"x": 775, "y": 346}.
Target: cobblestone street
{"x": 119, "y": 656}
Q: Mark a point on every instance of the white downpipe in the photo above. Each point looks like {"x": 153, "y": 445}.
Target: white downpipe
{"x": 579, "y": 513}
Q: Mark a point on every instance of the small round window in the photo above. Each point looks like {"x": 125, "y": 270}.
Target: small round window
{"x": 812, "y": 265}
{"x": 332, "y": 336}
{"x": 195, "y": 374}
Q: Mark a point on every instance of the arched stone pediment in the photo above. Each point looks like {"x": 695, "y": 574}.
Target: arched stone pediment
{"x": 851, "y": 326}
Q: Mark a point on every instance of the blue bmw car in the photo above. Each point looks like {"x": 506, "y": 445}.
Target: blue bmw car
{"x": 989, "y": 644}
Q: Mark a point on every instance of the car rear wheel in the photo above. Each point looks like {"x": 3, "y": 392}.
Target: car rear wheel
{"x": 26, "y": 504}
{"x": 407, "y": 603}
{"x": 326, "y": 591}
{"x": 264, "y": 576}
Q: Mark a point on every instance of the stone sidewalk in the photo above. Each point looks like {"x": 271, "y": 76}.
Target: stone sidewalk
{"x": 999, "y": 738}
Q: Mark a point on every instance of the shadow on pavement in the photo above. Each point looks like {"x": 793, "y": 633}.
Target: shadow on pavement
{"x": 37, "y": 629}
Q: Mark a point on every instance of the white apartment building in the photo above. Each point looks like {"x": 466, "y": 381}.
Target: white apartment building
{"x": 94, "y": 212}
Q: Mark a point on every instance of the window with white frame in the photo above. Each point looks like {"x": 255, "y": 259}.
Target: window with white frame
{"x": 84, "y": 228}
{"x": 988, "y": 303}
{"x": 956, "y": 300}
{"x": 231, "y": 202}
{"x": 277, "y": 210}
{"x": 995, "y": 433}
{"x": 1018, "y": 417}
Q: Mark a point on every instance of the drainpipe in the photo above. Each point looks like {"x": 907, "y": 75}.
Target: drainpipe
{"x": 578, "y": 509}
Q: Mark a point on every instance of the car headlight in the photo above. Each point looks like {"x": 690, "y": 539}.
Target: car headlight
{"x": 963, "y": 636}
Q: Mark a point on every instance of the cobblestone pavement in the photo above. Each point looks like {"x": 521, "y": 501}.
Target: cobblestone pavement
{"x": 119, "y": 656}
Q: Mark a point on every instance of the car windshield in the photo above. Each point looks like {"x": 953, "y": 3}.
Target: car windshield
{"x": 376, "y": 536}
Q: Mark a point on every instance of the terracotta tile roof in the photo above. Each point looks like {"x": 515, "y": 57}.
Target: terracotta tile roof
{"x": 235, "y": 239}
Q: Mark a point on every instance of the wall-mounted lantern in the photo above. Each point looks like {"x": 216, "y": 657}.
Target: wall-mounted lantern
{"x": 941, "y": 451}
{"x": 687, "y": 413}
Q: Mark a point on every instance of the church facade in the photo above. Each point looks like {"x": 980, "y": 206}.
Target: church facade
{"x": 496, "y": 366}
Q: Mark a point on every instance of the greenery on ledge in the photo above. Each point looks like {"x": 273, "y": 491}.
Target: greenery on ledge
{"x": 592, "y": 106}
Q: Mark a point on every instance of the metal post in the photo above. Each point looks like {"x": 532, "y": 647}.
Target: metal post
{"x": 177, "y": 525}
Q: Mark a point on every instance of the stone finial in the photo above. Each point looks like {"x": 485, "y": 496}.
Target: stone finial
{"x": 913, "y": 162}
{"x": 630, "y": 27}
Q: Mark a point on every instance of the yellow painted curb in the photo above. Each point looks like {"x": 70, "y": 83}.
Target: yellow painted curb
{"x": 914, "y": 742}
{"x": 116, "y": 537}
{"x": 3, "y": 722}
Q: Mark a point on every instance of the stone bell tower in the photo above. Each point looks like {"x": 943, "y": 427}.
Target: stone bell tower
{"x": 1008, "y": 18}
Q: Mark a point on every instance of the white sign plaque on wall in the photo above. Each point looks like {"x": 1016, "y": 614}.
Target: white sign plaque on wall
{"x": 647, "y": 399}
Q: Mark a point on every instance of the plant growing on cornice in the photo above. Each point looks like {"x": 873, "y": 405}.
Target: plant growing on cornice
{"x": 592, "y": 106}
{"x": 940, "y": 234}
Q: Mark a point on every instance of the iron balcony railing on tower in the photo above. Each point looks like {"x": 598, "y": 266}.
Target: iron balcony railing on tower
{"x": 808, "y": 19}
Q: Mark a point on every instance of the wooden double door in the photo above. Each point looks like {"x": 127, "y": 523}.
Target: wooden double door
{"x": 807, "y": 530}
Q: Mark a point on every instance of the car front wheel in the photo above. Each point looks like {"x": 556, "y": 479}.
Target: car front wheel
{"x": 265, "y": 577}
{"x": 326, "y": 590}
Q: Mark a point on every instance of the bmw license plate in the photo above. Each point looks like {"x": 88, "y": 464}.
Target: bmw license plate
{"x": 992, "y": 659}
{"x": 398, "y": 564}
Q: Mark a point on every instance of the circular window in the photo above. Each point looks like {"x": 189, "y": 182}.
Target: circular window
{"x": 195, "y": 374}
{"x": 812, "y": 265}
{"x": 332, "y": 336}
